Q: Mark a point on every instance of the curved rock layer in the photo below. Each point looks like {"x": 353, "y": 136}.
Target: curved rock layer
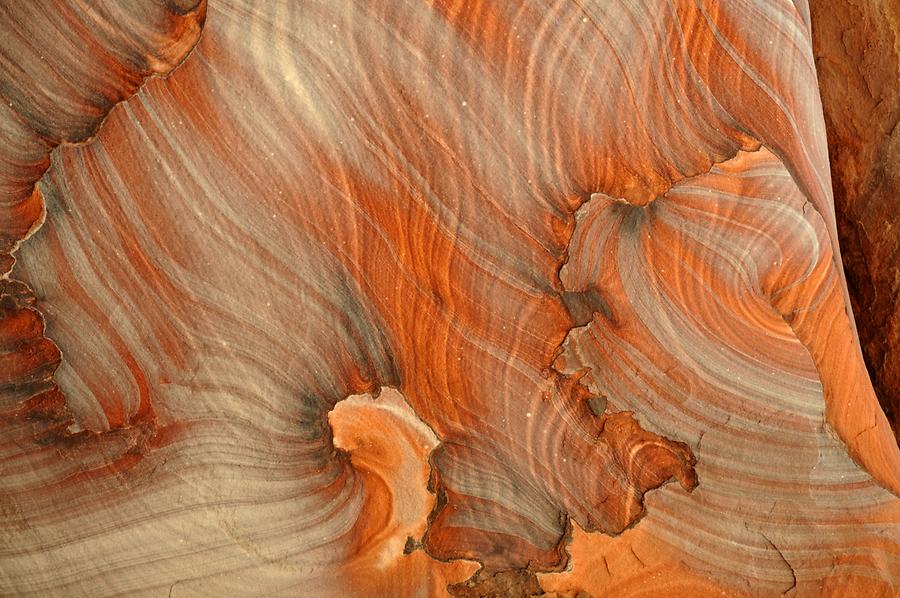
{"x": 717, "y": 357}
{"x": 586, "y": 249}
{"x": 65, "y": 63}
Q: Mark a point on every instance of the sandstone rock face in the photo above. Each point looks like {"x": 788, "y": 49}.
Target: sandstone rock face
{"x": 857, "y": 51}
{"x": 425, "y": 298}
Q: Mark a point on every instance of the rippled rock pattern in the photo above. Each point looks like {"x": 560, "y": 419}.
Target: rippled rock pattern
{"x": 421, "y": 298}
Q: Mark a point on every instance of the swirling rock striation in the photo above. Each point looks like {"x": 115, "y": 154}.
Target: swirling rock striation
{"x": 574, "y": 251}
{"x": 64, "y": 65}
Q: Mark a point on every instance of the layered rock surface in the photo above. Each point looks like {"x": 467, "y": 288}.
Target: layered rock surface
{"x": 429, "y": 297}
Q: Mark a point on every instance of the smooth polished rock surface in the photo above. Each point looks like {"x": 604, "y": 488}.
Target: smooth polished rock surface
{"x": 419, "y": 298}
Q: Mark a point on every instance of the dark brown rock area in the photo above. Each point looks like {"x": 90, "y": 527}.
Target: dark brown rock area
{"x": 857, "y": 50}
